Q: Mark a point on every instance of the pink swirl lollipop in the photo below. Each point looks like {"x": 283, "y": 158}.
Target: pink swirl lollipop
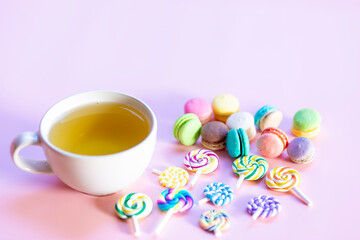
{"x": 201, "y": 161}
{"x": 173, "y": 201}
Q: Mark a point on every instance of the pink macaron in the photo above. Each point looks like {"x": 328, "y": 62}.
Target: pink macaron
{"x": 201, "y": 108}
{"x": 272, "y": 142}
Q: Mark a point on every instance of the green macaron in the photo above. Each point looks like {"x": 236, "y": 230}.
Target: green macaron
{"x": 187, "y": 129}
{"x": 306, "y": 123}
{"x": 306, "y": 119}
{"x": 237, "y": 143}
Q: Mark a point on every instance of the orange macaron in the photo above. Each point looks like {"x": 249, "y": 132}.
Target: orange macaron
{"x": 272, "y": 142}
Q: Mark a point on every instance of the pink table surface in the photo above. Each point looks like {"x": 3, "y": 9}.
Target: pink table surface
{"x": 292, "y": 54}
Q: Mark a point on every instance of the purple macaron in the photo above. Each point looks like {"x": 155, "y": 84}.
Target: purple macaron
{"x": 301, "y": 150}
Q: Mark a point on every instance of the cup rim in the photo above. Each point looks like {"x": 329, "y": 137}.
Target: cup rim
{"x": 46, "y": 140}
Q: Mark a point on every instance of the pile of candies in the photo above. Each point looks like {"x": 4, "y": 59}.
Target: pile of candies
{"x": 221, "y": 125}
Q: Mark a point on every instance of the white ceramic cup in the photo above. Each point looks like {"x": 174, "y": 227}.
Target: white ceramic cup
{"x": 95, "y": 175}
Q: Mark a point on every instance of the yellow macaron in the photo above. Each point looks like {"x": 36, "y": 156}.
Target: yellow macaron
{"x": 224, "y": 105}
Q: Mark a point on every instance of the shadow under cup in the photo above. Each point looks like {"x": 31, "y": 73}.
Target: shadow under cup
{"x": 98, "y": 174}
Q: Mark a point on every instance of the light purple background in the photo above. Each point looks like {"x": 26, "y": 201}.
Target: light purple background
{"x": 292, "y": 54}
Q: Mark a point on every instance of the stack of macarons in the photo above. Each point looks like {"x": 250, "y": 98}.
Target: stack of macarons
{"x": 220, "y": 124}
{"x": 213, "y": 122}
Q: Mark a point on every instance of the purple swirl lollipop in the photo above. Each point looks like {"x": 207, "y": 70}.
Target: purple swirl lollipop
{"x": 264, "y": 207}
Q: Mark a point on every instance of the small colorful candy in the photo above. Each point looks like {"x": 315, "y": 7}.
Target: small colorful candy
{"x": 201, "y": 161}
{"x": 173, "y": 201}
{"x": 134, "y": 206}
{"x": 214, "y": 221}
{"x": 218, "y": 193}
{"x": 272, "y": 142}
{"x": 263, "y": 207}
{"x": 268, "y": 116}
{"x": 249, "y": 167}
{"x": 284, "y": 179}
{"x": 172, "y": 177}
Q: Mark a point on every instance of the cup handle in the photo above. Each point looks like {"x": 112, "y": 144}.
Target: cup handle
{"x": 30, "y": 165}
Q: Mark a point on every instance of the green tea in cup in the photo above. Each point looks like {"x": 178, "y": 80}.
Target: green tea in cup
{"x": 99, "y": 129}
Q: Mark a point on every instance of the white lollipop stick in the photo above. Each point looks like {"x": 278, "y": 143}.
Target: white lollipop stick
{"x": 239, "y": 182}
{"x": 136, "y": 227}
{"x": 217, "y": 233}
{"x": 302, "y": 196}
{"x": 195, "y": 178}
{"x": 202, "y": 201}
{"x": 257, "y": 213}
{"x": 162, "y": 224}
{"x": 158, "y": 172}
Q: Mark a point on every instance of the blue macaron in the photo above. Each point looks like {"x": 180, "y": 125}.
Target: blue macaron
{"x": 237, "y": 143}
{"x": 262, "y": 112}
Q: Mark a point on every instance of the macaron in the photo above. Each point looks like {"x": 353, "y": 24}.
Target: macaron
{"x": 187, "y": 129}
{"x": 301, "y": 150}
{"x": 306, "y": 123}
{"x": 200, "y": 107}
{"x": 272, "y": 142}
{"x": 224, "y": 105}
{"x": 213, "y": 135}
{"x": 268, "y": 116}
{"x": 237, "y": 143}
{"x": 242, "y": 120}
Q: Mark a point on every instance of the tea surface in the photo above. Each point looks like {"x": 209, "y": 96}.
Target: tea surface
{"x": 100, "y": 129}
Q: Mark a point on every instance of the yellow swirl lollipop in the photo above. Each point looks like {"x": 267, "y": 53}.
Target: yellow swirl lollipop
{"x": 172, "y": 177}
{"x": 250, "y": 168}
{"x": 284, "y": 179}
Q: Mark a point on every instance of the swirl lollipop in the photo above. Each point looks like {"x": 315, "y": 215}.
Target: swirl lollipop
{"x": 134, "y": 206}
{"x": 173, "y": 201}
{"x": 172, "y": 177}
{"x": 215, "y": 221}
{"x": 263, "y": 207}
{"x": 201, "y": 161}
{"x": 250, "y": 167}
{"x": 218, "y": 193}
{"x": 284, "y": 179}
